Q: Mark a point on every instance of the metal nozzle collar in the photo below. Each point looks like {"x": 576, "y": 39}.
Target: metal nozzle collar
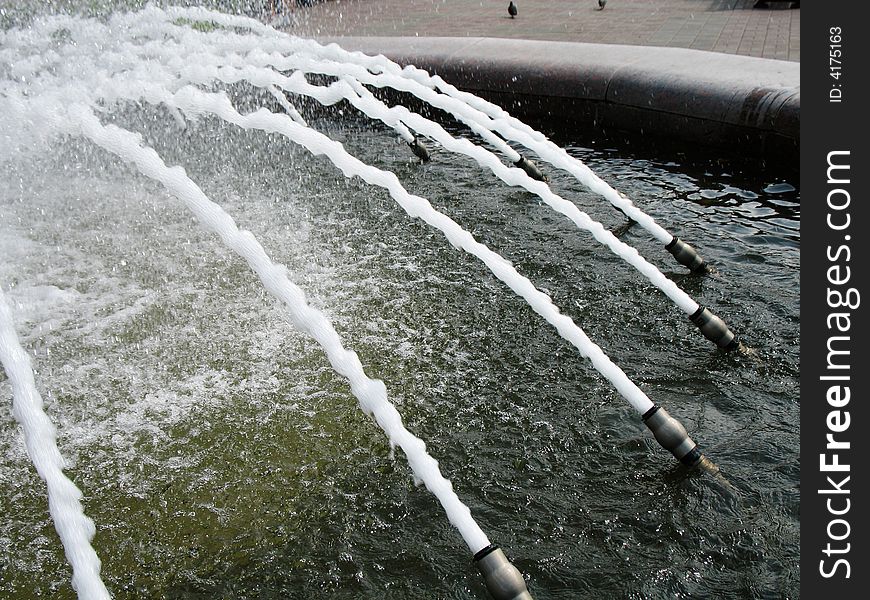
{"x": 686, "y": 255}
{"x": 671, "y": 434}
{"x": 419, "y": 149}
{"x": 503, "y": 580}
{"x": 714, "y": 328}
{"x": 530, "y": 168}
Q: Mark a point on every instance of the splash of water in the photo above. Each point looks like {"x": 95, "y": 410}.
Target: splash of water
{"x": 226, "y": 47}
{"x": 371, "y": 393}
{"x": 397, "y": 115}
{"x": 75, "y": 529}
{"x": 152, "y": 83}
{"x": 52, "y": 87}
{"x": 468, "y": 109}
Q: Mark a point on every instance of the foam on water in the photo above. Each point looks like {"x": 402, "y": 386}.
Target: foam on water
{"x": 62, "y": 71}
{"x": 469, "y": 109}
{"x": 152, "y": 88}
{"x": 482, "y": 117}
{"x": 64, "y": 499}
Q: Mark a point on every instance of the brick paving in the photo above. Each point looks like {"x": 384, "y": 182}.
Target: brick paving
{"x": 728, "y": 26}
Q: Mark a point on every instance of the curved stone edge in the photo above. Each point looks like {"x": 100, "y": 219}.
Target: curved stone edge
{"x": 749, "y": 105}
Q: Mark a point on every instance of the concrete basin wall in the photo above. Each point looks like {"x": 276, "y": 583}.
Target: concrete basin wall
{"x": 750, "y": 106}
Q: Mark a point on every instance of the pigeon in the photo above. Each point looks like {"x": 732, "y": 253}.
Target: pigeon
{"x": 601, "y": 4}
{"x": 512, "y": 10}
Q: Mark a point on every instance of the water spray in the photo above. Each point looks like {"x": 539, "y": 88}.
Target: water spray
{"x": 483, "y": 117}
{"x": 398, "y": 116}
{"x": 371, "y": 394}
{"x": 285, "y": 104}
{"x": 502, "y": 579}
{"x": 419, "y": 83}
{"x": 75, "y": 529}
{"x": 76, "y": 117}
{"x": 495, "y": 118}
{"x": 414, "y": 142}
{"x": 376, "y": 109}
{"x": 192, "y": 101}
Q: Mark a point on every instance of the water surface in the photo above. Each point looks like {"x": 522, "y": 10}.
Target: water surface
{"x": 221, "y": 457}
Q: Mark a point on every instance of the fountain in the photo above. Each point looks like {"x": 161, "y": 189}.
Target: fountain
{"x": 74, "y": 528}
{"x": 68, "y": 79}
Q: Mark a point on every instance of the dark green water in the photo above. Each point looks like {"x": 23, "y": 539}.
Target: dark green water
{"x": 221, "y": 457}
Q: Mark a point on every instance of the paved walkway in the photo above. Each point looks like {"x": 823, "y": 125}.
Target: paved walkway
{"x": 728, "y": 26}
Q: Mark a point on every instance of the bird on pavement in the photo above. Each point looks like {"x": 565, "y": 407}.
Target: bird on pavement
{"x": 601, "y": 4}
{"x": 512, "y": 10}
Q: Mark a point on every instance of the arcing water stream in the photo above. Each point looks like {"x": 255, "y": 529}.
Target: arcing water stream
{"x": 247, "y": 53}
{"x": 66, "y": 77}
{"x": 75, "y": 529}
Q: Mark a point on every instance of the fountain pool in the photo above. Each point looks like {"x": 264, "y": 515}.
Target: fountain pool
{"x": 220, "y": 455}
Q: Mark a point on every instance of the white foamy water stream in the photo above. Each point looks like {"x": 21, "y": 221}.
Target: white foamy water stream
{"x": 75, "y": 529}
{"x": 191, "y": 57}
{"x": 468, "y": 108}
{"x": 62, "y": 73}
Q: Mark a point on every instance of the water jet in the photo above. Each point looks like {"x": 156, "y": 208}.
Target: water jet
{"x": 67, "y": 100}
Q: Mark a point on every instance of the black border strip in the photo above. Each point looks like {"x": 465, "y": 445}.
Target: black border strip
{"x": 834, "y": 223}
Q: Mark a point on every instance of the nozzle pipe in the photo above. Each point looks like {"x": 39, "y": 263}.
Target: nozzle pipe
{"x": 672, "y": 436}
{"x": 530, "y": 168}
{"x": 419, "y": 149}
{"x": 503, "y": 580}
{"x": 687, "y": 256}
{"x": 714, "y": 329}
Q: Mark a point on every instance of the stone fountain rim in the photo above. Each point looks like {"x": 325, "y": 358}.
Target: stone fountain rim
{"x": 747, "y": 104}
